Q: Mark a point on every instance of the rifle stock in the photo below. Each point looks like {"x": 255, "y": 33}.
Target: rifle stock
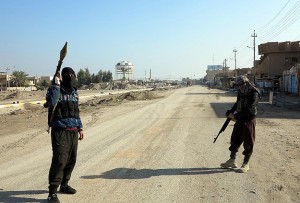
{"x": 223, "y": 128}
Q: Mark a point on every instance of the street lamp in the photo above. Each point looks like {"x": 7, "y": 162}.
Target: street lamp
{"x": 235, "y": 61}
{"x": 253, "y": 62}
{"x": 224, "y": 73}
{"x": 253, "y": 72}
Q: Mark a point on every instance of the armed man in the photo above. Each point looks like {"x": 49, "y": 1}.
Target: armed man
{"x": 66, "y": 128}
{"x": 243, "y": 113}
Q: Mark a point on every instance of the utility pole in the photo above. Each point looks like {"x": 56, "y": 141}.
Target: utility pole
{"x": 225, "y": 66}
{"x": 224, "y": 72}
{"x": 254, "y": 35}
{"x": 235, "y": 61}
{"x": 7, "y": 81}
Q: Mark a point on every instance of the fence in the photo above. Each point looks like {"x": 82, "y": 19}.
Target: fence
{"x": 281, "y": 99}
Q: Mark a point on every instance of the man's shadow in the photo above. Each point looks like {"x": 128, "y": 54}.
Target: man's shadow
{"x": 132, "y": 173}
{"x": 17, "y": 196}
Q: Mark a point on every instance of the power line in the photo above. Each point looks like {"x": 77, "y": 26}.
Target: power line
{"x": 288, "y": 19}
{"x": 269, "y": 23}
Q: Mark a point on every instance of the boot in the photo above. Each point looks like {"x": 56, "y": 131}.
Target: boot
{"x": 52, "y": 189}
{"x": 245, "y": 166}
{"x": 66, "y": 188}
{"x": 229, "y": 164}
{"x": 52, "y": 197}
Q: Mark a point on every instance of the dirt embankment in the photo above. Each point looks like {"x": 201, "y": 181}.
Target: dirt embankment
{"x": 31, "y": 116}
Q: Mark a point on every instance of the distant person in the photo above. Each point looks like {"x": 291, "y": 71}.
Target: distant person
{"x": 66, "y": 127}
{"x": 243, "y": 113}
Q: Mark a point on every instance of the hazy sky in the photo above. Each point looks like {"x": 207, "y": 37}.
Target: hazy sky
{"x": 173, "y": 38}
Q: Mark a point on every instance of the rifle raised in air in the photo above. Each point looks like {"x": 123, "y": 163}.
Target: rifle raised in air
{"x": 223, "y": 128}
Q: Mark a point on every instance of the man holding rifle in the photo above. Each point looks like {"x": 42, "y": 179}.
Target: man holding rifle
{"x": 243, "y": 113}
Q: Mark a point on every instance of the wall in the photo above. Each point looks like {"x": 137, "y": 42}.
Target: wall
{"x": 273, "y": 60}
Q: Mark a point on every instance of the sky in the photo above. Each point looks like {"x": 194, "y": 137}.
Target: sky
{"x": 173, "y": 38}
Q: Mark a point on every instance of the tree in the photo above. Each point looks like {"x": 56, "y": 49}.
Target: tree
{"x": 88, "y": 78}
{"x": 100, "y": 75}
{"x": 81, "y": 77}
{"x": 19, "y": 79}
{"x": 107, "y": 76}
{"x": 84, "y": 77}
{"x": 42, "y": 85}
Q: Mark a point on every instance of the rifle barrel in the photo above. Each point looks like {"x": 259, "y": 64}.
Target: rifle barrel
{"x": 222, "y": 129}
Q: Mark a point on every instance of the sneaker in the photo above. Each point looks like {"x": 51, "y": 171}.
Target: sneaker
{"x": 229, "y": 164}
{"x": 244, "y": 168}
{"x": 53, "y": 199}
{"x": 67, "y": 190}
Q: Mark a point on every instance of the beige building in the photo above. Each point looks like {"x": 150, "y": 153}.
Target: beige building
{"x": 211, "y": 74}
{"x": 3, "y": 81}
{"x": 276, "y": 57}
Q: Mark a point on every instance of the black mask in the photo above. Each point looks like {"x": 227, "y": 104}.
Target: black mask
{"x": 68, "y": 78}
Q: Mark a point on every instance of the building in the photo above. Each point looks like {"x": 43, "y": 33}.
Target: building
{"x": 291, "y": 79}
{"x": 273, "y": 69}
{"x": 3, "y": 81}
{"x": 276, "y": 57}
{"x": 124, "y": 70}
{"x": 215, "y": 72}
{"x": 212, "y": 71}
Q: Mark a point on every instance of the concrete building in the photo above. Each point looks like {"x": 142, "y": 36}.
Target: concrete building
{"x": 276, "y": 57}
{"x": 215, "y": 70}
{"x": 124, "y": 70}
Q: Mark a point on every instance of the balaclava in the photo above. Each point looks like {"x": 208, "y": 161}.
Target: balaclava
{"x": 68, "y": 77}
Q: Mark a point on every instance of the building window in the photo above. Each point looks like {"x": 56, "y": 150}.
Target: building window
{"x": 290, "y": 60}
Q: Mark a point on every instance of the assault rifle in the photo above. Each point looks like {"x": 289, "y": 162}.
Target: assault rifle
{"x": 223, "y": 128}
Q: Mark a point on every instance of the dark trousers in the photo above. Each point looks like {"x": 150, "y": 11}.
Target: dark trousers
{"x": 243, "y": 132}
{"x": 64, "y": 148}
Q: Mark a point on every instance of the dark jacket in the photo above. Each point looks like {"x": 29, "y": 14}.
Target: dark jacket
{"x": 245, "y": 107}
{"x": 64, "y": 108}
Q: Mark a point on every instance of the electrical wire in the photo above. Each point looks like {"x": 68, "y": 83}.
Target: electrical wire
{"x": 270, "y": 22}
{"x": 288, "y": 19}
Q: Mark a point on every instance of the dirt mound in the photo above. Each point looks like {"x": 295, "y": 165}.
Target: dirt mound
{"x": 113, "y": 100}
{"x": 140, "y": 95}
{"x": 109, "y": 86}
{"x": 18, "y": 95}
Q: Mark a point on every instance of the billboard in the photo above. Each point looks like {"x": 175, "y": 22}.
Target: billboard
{"x": 214, "y": 67}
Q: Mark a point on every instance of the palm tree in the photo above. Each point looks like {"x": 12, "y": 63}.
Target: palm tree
{"x": 19, "y": 79}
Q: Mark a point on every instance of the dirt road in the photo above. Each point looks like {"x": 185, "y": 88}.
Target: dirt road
{"x": 158, "y": 150}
